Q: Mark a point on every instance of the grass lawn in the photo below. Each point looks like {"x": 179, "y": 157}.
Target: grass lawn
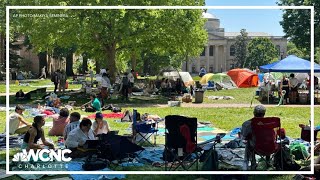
{"x": 222, "y": 118}
{"x": 32, "y": 85}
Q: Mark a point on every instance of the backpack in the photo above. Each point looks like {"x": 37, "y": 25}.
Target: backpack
{"x": 288, "y": 160}
{"x": 125, "y": 81}
{"x": 54, "y": 77}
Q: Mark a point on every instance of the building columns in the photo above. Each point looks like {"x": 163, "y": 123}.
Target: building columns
{"x": 216, "y": 58}
{"x": 207, "y": 58}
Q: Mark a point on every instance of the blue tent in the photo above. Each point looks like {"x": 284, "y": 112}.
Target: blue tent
{"x": 290, "y": 64}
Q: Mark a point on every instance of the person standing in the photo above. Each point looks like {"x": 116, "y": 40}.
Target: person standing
{"x": 124, "y": 86}
{"x": 55, "y": 80}
{"x": 294, "y": 88}
{"x": 43, "y": 73}
{"x": 105, "y": 87}
{"x": 62, "y": 81}
{"x": 131, "y": 77}
{"x": 285, "y": 85}
{"x": 91, "y": 76}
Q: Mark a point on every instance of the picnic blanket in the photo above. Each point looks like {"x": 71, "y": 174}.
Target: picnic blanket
{"x": 108, "y": 115}
{"x": 77, "y": 166}
{"x": 14, "y": 141}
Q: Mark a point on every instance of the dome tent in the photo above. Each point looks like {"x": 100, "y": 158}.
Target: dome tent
{"x": 243, "y": 78}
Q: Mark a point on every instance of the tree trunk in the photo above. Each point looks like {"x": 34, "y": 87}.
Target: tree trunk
{"x": 2, "y": 52}
{"x": 97, "y": 67}
{"x": 84, "y": 63}
{"x": 69, "y": 64}
{"x": 111, "y": 61}
{"x": 133, "y": 61}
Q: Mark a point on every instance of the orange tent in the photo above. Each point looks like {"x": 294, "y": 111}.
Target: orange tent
{"x": 243, "y": 78}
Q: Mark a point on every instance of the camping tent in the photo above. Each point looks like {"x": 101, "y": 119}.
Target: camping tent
{"x": 184, "y": 76}
{"x": 219, "y": 77}
{"x": 291, "y": 63}
{"x": 243, "y": 78}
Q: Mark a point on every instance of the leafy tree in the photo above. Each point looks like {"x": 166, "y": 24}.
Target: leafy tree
{"x": 241, "y": 49}
{"x": 296, "y": 23}
{"x": 106, "y": 33}
{"x": 261, "y": 51}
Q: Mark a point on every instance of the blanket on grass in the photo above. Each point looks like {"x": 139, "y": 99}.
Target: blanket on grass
{"x": 108, "y": 115}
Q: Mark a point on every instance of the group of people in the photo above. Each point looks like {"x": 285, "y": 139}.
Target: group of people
{"x": 289, "y": 87}
{"x": 74, "y": 131}
{"x": 59, "y": 79}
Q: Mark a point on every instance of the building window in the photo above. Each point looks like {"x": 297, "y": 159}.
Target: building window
{"x": 211, "y": 69}
{"x": 203, "y": 52}
{"x": 193, "y": 69}
{"x": 232, "y": 50}
{"x": 211, "y": 51}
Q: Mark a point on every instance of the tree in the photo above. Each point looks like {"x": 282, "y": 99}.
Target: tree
{"x": 106, "y": 33}
{"x": 261, "y": 51}
{"x": 241, "y": 48}
{"x": 296, "y": 23}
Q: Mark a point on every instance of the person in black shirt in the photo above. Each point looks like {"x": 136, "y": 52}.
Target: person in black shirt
{"x": 30, "y": 140}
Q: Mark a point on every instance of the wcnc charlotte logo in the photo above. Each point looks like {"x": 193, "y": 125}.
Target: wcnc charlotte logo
{"x": 43, "y": 155}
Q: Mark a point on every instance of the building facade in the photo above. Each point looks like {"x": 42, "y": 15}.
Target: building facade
{"x": 218, "y": 53}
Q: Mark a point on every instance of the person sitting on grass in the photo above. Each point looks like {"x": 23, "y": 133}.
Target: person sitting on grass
{"x": 79, "y": 136}
{"x": 93, "y": 105}
{"x": 30, "y": 140}
{"x": 21, "y": 96}
{"x": 100, "y": 126}
{"x": 74, "y": 123}
{"x": 17, "y": 123}
{"x": 59, "y": 122}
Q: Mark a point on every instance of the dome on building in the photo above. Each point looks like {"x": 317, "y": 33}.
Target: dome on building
{"x": 208, "y": 16}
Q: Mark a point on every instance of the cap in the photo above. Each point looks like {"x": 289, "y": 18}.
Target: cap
{"x": 99, "y": 115}
{"x": 259, "y": 109}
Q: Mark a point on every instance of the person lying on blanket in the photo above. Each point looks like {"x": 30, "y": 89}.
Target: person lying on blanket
{"x": 30, "y": 140}
{"x": 79, "y": 136}
{"x": 93, "y": 105}
{"x": 17, "y": 124}
{"x": 100, "y": 126}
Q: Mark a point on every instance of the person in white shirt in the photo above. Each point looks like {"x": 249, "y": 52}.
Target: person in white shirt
{"x": 294, "y": 88}
{"x": 74, "y": 123}
{"x": 17, "y": 124}
{"x": 105, "y": 87}
{"x": 131, "y": 80}
{"x": 80, "y": 135}
{"x": 100, "y": 126}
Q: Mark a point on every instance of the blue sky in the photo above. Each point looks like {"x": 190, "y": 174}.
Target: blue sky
{"x": 251, "y": 20}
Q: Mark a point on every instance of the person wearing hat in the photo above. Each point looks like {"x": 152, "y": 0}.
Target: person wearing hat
{"x": 100, "y": 126}
{"x": 246, "y": 130}
{"x": 17, "y": 123}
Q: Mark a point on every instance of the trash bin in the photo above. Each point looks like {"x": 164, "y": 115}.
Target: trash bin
{"x": 199, "y": 96}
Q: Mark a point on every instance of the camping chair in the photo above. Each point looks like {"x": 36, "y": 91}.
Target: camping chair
{"x": 144, "y": 130}
{"x": 264, "y": 131}
{"x": 180, "y": 141}
{"x": 211, "y": 86}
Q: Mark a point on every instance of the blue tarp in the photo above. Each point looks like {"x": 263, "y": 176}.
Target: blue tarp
{"x": 290, "y": 64}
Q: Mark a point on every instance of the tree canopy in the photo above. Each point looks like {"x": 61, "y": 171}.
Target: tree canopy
{"x": 241, "y": 49}
{"x": 260, "y": 51}
{"x": 105, "y": 34}
{"x": 296, "y": 23}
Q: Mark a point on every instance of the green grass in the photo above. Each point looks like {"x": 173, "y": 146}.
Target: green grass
{"x": 15, "y": 88}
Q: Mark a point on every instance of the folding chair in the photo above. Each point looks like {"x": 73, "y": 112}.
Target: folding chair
{"x": 144, "y": 130}
{"x": 180, "y": 142}
{"x": 267, "y": 140}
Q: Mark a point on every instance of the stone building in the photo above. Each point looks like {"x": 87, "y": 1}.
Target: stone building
{"x": 218, "y": 54}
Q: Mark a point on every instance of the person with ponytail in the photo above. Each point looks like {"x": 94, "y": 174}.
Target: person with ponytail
{"x": 36, "y": 132}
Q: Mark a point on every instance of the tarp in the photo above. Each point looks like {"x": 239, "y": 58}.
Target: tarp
{"x": 243, "y": 78}
{"x": 291, "y": 63}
